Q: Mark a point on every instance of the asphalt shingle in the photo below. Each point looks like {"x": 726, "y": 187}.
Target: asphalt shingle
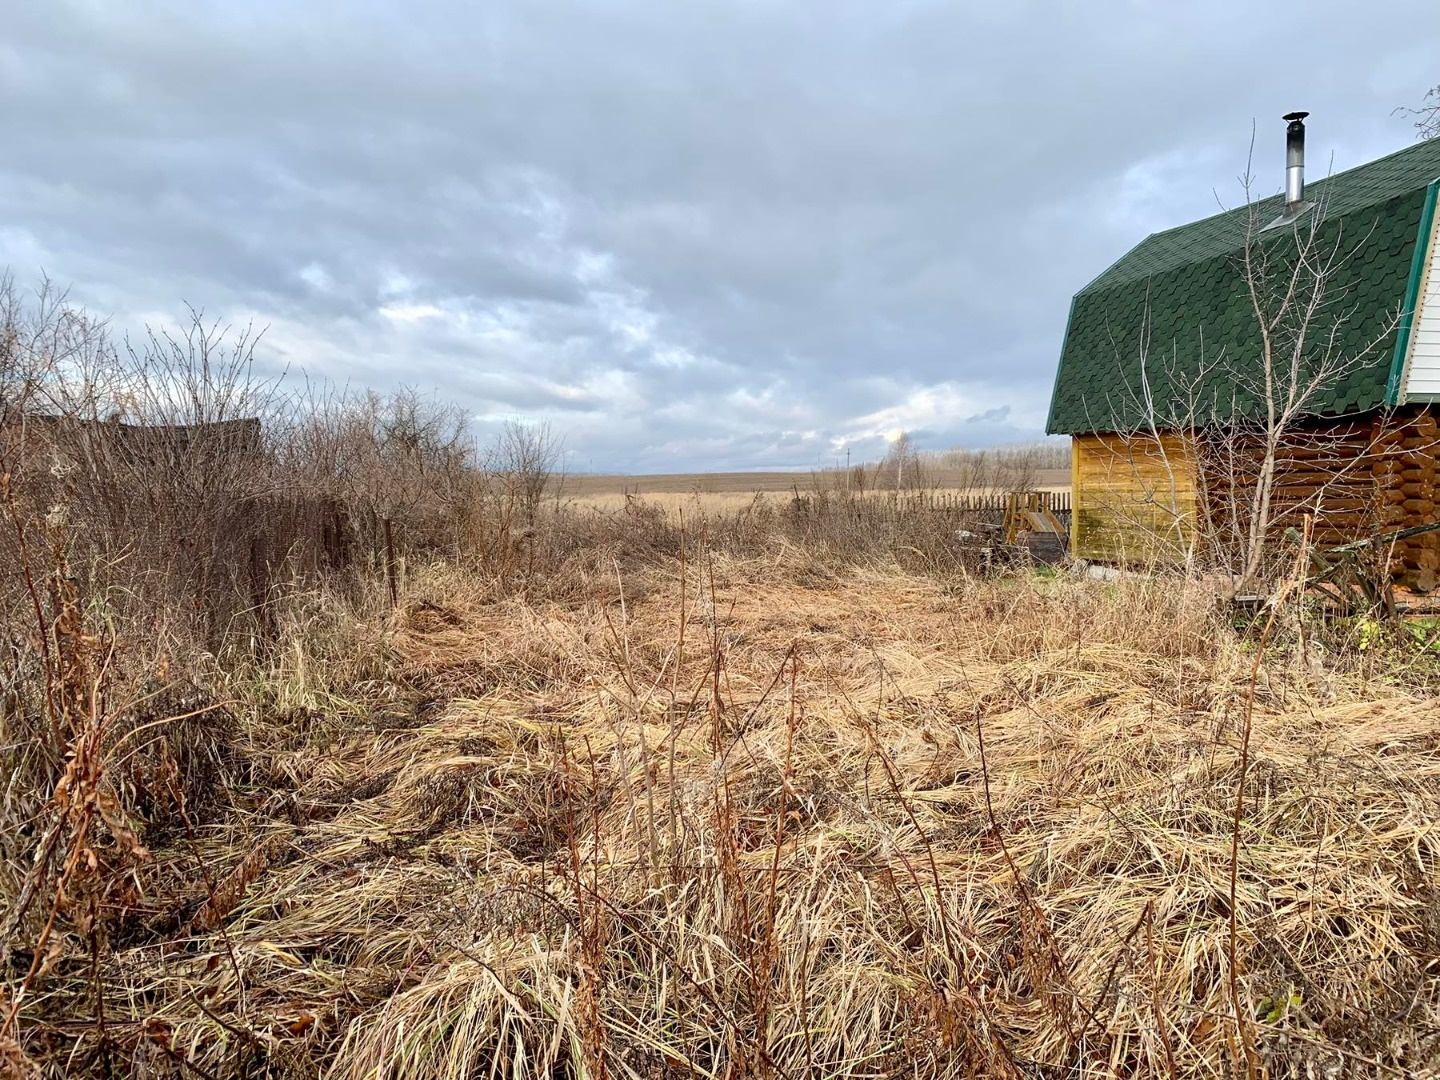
{"x": 1177, "y": 311}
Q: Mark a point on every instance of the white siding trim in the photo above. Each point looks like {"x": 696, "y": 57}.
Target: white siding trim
{"x": 1422, "y": 365}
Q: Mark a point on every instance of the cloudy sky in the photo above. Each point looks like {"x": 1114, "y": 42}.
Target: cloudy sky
{"x": 689, "y": 234}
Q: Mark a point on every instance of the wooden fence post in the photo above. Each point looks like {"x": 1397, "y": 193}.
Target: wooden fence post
{"x": 390, "y": 565}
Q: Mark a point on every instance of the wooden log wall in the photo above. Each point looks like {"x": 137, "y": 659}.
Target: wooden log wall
{"x": 1406, "y": 476}
{"x": 1355, "y": 477}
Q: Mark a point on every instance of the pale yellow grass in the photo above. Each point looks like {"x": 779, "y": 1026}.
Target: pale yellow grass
{"x": 740, "y": 824}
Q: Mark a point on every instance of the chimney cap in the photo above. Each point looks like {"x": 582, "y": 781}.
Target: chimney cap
{"x": 1293, "y": 117}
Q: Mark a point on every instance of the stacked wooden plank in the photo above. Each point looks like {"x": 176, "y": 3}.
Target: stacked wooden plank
{"x": 1134, "y": 498}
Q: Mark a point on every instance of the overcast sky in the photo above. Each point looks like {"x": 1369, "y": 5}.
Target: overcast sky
{"x": 691, "y": 235}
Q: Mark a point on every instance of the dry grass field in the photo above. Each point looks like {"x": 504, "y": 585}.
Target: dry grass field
{"x": 329, "y": 751}
{"x": 729, "y": 810}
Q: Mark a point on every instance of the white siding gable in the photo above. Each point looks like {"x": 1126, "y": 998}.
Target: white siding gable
{"x": 1422, "y": 377}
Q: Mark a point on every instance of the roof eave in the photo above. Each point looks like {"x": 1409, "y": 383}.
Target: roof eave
{"x": 1395, "y": 384}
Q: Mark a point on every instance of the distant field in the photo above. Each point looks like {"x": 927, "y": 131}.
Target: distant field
{"x": 731, "y": 490}
{"x": 684, "y": 483}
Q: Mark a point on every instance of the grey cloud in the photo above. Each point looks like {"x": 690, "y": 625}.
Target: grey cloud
{"x": 1000, "y": 412}
{"x": 703, "y": 235}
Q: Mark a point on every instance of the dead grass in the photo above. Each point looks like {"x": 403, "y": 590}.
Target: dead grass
{"x": 719, "y": 816}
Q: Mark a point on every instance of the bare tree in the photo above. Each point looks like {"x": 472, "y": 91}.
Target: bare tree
{"x": 525, "y": 461}
{"x": 900, "y": 469}
{"x": 1426, "y": 115}
{"x": 972, "y": 470}
{"x": 1243, "y": 417}
{"x": 1002, "y": 468}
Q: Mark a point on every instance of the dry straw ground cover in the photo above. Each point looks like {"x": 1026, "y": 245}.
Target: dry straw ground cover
{"x": 734, "y": 816}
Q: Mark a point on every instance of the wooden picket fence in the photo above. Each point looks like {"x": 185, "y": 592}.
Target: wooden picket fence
{"x": 957, "y": 503}
{"x": 962, "y": 507}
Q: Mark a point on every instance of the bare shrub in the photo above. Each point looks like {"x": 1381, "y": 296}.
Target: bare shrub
{"x": 154, "y": 453}
{"x": 989, "y": 469}
{"x": 401, "y": 464}
{"x": 524, "y": 462}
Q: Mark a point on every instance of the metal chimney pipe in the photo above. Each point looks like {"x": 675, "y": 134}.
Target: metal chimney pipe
{"x": 1295, "y": 160}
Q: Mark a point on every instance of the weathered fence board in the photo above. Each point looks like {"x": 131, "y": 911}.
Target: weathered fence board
{"x": 950, "y": 504}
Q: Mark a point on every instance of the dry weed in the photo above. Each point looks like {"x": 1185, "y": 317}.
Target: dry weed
{"x": 716, "y": 816}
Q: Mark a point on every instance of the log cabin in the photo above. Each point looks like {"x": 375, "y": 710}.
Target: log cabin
{"x": 1308, "y": 323}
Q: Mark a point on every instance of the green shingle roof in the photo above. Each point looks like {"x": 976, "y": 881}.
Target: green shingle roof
{"x": 1179, "y": 300}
